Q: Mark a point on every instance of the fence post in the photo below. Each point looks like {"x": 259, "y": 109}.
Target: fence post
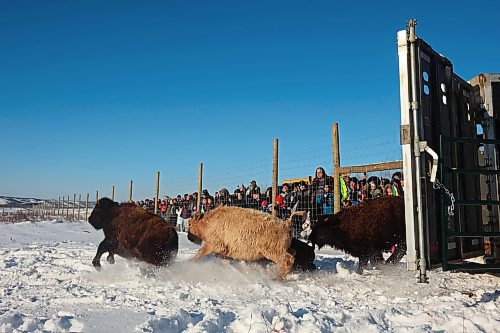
{"x": 157, "y": 193}
{"x": 74, "y": 203}
{"x": 336, "y": 168}
{"x": 96, "y": 196}
{"x": 61, "y": 211}
{"x": 59, "y": 205}
{"x": 113, "y": 193}
{"x": 274, "y": 210}
{"x": 200, "y": 186}
{"x": 79, "y": 204}
{"x": 130, "y": 192}
{"x": 67, "y": 208}
{"x": 87, "y": 208}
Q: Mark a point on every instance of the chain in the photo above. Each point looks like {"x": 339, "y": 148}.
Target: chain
{"x": 451, "y": 207}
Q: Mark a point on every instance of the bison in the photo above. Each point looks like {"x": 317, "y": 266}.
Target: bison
{"x": 132, "y": 232}
{"x": 243, "y": 234}
{"x": 365, "y": 230}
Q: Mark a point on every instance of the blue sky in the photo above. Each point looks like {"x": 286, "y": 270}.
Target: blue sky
{"x": 96, "y": 93}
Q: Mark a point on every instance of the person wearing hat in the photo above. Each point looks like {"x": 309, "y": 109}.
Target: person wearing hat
{"x": 252, "y": 188}
{"x": 374, "y": 191}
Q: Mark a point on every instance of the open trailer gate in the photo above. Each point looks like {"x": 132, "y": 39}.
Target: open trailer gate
{"x": 448, "y": 125}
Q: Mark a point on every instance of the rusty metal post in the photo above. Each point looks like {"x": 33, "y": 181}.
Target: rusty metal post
{"x": 157, "y": 191}
{"x": 336, "y": 168}
{"x": 113, "y": 193}
{"x": 274, "y": 209}
{"x": 200, "y": 186}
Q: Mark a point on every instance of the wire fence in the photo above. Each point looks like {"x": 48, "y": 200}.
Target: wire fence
{"x": 306, "y": 184}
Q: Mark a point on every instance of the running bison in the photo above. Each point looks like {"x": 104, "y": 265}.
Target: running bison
{"x": 243, "y": 234}
{"x": 132, "y": 232}
{"x": 365, "y": 230}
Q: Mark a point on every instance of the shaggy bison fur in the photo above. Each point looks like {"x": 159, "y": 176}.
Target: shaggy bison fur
{"x": 365, "y": 230}
{"x": 243, "y": 234}
{"x": 304, "y": 253}
{"x": 132, "y": 232}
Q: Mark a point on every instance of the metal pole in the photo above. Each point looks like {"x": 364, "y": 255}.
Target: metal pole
{"x": 200, "y": 186}
{"x": 96, "y": 197}
{"x": 157, "y": 191}
{"x": 59, "y": 206}
{"x": 87, "y": 208}
{"x": 130, "y": 192}
{"x": 79, "y": 204}
{"x": 274, "y": 210}
{"x": 61, "y": 212}
{"x": 416, "y": 149}
{"x": 113, "y": 193}
{"x": 67, "y": 208}
{"x": 336, "y": 168}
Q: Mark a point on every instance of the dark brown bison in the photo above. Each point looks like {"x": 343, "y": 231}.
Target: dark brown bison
{"x": 132, "y": 232}
{"x": 304, "y": 255}
{"x": 365, "y": 230}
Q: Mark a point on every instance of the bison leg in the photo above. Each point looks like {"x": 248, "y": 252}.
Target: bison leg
{"x": 111, "y": 258}
{"x": 398, "y": 254}
{"x": 101, "y": 249}
{"x": 363, "y": 261}
{"x": 284, "y": 261}
{"x": 112, "y": 246}
{"x": 211, "y": 248}
{"x": 376, "y": 258}
{"x": 203, "y": 251}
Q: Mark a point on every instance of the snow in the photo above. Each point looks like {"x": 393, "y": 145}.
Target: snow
{"x": 48, "y": 284}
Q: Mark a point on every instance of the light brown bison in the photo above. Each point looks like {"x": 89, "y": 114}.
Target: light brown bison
{"x": 243, "y": 234}
{"x": 132, "y": 232}
{"x": 365, "y": 230}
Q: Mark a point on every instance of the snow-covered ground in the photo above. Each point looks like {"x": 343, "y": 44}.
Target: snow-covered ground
{"x": 48, "y": 284}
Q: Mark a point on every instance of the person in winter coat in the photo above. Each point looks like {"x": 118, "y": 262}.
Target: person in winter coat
{"x": 326, "y": 201}
{"x": 317, "y": 188}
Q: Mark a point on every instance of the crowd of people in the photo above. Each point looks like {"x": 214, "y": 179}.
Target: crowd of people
{"x": 314, "y": 196}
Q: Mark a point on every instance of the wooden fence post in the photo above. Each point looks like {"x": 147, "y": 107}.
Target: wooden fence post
{"x": 157, "y": 191}
{"x": 130, "y": 192}
{"x": 74, "y": 203}
{"x": 87, "y": 208}
{"x": 200, "y": 186}
{"x": 79, "y": 204}
{"x": 274, "y": 209}
{"x": 336, "y": 166}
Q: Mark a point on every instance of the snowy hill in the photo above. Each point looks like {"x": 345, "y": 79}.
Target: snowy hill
{"x": 19, "y": 202}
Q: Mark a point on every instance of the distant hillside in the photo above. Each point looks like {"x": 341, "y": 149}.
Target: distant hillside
{"x": 19, "y": 202}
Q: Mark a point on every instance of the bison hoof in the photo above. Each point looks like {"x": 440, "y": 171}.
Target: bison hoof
{"x": 97, "y": 265}
{"x": 111, "y": 260}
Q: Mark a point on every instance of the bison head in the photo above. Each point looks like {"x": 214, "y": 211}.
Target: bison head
{"x": 195, "y": 228}
{"x": 325, "y": 232}
{"x": 102, "y": 213}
